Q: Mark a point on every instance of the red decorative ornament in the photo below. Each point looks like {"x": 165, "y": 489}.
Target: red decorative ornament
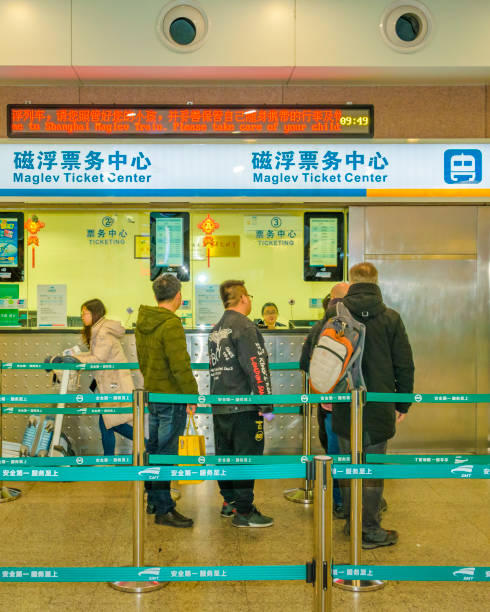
{"x": 208, "y": 226}
{"x": 33, "y": 226}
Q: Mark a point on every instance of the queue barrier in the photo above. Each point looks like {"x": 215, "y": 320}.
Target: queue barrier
{"x": 420, "y": 573}
{"x": 241, "y": 459}
{"x": 86, "y": 367}
{"x": 354, "y": 573}
{"x": 240, "y": 472}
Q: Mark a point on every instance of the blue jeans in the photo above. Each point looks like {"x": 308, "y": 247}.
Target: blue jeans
{"x": 333, "y": 449}
{"x": 109, "y": 437}
{"x": 167, "y": 423}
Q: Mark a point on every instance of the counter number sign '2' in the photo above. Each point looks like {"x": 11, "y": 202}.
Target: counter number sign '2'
{"x": 462, "y": 166}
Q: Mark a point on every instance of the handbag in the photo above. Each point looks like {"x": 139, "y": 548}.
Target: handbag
{"x": 191, "y": 445}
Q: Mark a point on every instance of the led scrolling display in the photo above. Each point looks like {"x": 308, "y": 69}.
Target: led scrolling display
{"x": 189, "y": 121}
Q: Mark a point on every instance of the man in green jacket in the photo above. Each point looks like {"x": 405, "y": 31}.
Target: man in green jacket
{"x": 166, "y": 368}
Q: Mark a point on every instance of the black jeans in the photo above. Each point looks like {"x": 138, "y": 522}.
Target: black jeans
{"x": 239, "y": 433}
{"x": 372, "y": 490}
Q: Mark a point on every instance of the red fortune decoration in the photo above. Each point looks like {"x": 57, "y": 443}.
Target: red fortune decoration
{"x": 33, "y": 226}
{"x": 208, "y": 225}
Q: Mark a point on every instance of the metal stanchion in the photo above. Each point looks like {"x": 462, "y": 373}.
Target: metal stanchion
{"x": 322, "y": 536}
{"x": 303, "y": 495}
{"x": 356, "y": 406}
{"x": 7, "y": 494}
{"x": 138, "y": 505}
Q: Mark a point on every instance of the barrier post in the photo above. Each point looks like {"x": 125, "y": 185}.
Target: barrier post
{"x": 356, "y": 408}
{"x": 303, "y": 495}
{"x": 139, "y": 401}
{"x": 7, "y": 494}
{"x": 322, "y": 536}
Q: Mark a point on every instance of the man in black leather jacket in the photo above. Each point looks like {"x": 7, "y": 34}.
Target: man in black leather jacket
{"x": 239, "y": 365}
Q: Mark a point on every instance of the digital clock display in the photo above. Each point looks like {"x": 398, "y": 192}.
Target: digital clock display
{"x": 347, "y": 121}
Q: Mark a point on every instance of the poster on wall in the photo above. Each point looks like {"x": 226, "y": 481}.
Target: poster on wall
{"x": 51, "y": 306}
{"x": 11, "y": 247}
{"x": 209, "y": 307}
{"x": 9, "y": 305}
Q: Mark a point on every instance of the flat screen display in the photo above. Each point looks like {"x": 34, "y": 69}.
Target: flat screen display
{"x": 11, "y": 247}
{"x": 169, "y": 244}
{"x": 323, "y": 242}
{"x": 324, "y": 252}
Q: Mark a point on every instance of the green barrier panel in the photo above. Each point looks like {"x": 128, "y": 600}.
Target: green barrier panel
{"x": 239, "y": 459}
{"x": 81, "y": 410}
{"x": 411, "y": 471}
{"x": 438, "y": 459}
{"x": 304, "y": 398}
{"x": 123, "y": 473}
{"x": 294, "y": 365}
{"x": 52, "y": 461}
{"x": 444, "y": 573}
{"x": 163, "y": 574}
{"x": 427, "y": 573}
{"x": 70, "y": 366}
{"x": 430, "y": 398}
{"x": 67, "y": 398}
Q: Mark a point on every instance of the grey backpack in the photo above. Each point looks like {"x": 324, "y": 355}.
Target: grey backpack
{"x": 335, "y": 365}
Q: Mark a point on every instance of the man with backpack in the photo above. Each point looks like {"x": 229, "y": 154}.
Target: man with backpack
{"x": 387, "y": 367}
{"x": 328, "y": 438}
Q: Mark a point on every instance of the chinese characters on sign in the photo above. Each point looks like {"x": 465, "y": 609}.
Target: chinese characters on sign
{"x": 71, "y": 167}
{"x": 317, "y": 166}
{"x": 191, "y": 121}
{"x": 107, "y": 234}
{"x": 274, "y": 230}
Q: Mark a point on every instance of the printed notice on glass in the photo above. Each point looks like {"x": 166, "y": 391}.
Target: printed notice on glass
{"x": 51, "y": 305}
{"x": 323, "y": 242}
{"x": 169, "y": 241}
{"x": 209, "y": 307}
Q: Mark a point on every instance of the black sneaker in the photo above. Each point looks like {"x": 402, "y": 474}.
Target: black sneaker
{"x": 387, "y": 537}
{"x": 173, "y": 519}
{"x": 228, "y": 509}
{"x": 252, "y": 519}
{"x": 150, "y": 509}
{"x": 339, "y": 512}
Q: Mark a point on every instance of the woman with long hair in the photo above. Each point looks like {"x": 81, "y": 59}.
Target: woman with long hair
{"x": 103, "y": 338}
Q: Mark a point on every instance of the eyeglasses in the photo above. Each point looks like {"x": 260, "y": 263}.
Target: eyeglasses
{"x": 248, "y": 295}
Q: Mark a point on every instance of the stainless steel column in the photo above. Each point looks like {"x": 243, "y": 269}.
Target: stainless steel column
{"x": 356, "y": 407}
{"x": 322, "y": 536}
{"x": 7, "y": 494}
{"x": 138, "y": 505}
{"x": 304, "y": 495}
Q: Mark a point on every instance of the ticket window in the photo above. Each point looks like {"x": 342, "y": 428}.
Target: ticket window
{"x": 106, "y": 254}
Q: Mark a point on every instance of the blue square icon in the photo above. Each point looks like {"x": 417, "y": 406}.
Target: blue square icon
{"x": 462, "y": 166}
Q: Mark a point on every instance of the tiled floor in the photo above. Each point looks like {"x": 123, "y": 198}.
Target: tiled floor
{"x": 441, "y": 522}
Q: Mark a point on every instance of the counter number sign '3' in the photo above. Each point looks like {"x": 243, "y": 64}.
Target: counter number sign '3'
{"x": 462, "y": 166}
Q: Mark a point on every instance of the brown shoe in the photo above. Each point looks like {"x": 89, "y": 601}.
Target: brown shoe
{"x": 173, "y": 519}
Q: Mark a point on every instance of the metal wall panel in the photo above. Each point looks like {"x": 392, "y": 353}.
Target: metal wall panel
{"x": 449, "y": 230}
{"x": 483, "y": 327}
{"x": 427, "y": 261}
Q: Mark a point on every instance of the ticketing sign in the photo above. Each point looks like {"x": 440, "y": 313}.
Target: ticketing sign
{"x": 219, "y": 170}
{"x": 341, "y": 121}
